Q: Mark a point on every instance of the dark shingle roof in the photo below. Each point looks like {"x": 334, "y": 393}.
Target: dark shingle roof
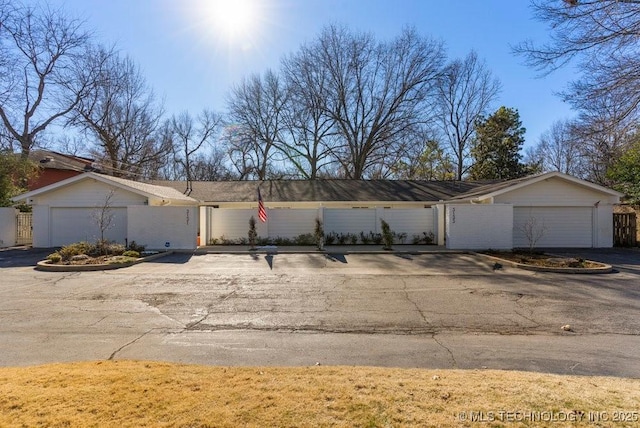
{"x": 324, "y": 190}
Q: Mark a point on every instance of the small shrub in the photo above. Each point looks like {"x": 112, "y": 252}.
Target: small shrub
{"x": 376, "y": 238}
{"x": 281, "y": 241}
{"x": 400, "y": 236}
{"x": 425, "y": 238}
{"x": 353, "y": 238}
{"x": 54, "y": 258}
{"x": 318, "y": 234}
{"x": 342, "y": 239}
{"x": 305, "y": 239}
{"x": 213, "y": 241}
{"x": 68, "y": 251}
{"x": 263, "y": 241}
{"x": 365, "y": 239}
{"x": 131, "y": 253}
{"x": 114, "y": 249}
{"x": 330, "y": 238}
{"x": 133, "y": 246}
{"x": 252, "y": 234}
{"x": 387, "y": 234}
{"x": 120, "y": 259}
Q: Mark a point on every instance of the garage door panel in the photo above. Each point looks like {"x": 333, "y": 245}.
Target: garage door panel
{"x": 562, "y": 226}
{"x": 69, "y": 225}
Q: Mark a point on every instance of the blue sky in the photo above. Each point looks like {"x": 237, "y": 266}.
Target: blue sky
{"x": 192, "y": 62}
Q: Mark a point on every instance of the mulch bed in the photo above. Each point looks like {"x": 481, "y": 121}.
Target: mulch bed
{"x": 542, "y": 260}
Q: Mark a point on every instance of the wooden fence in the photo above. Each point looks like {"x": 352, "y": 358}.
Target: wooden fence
{"x": 624, "y": 230}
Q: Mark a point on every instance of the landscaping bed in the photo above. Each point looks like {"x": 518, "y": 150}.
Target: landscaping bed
{"x": 539, "y": 261}
{"x": 85, "y": 256}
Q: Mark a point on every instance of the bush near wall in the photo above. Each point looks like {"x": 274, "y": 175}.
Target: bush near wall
{"x": 331, "y": 238}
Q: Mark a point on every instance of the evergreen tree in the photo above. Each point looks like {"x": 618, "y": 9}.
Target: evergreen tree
{"x": 625, "y": 174}
{"x": 496, "y": 149}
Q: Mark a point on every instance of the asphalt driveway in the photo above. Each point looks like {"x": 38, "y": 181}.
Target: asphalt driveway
{"x": 427, "y": 310}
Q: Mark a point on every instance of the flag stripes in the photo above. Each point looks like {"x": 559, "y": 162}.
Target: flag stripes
{"x": 262, "y": 212}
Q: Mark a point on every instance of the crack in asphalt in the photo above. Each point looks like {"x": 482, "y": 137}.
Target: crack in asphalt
{"x": 310, "y": 329}
{"x": 453, "y": 358}
{"x": 415, "y": 304}
{"x": 193, "y": 324}
{"x": 113, "y": 354}
{"x": 528, "y": 318}
{"x": 63, "y": 277}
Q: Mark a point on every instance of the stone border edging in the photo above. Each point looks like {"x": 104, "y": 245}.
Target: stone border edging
{"x": 44, "y": 266}
{"x": 605, "y": 268}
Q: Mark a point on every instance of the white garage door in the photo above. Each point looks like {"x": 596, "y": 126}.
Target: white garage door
{"x": 558, "y": 226}
{"x": 69, "y": 225}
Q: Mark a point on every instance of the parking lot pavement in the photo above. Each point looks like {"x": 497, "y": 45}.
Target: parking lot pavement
{"x": 622, "y": 259}
{"x": 428, "y": 310}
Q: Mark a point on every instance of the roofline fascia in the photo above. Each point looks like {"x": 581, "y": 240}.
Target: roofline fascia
{"x": 546, "y": 176}
{"x": 84, "y": 176}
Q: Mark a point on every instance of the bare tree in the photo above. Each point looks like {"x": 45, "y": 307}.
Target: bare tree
{"x": 121, "y": 114}
{"x": 533, "y": 231}
{"x": 601, "y": 38}
{"x": 309, "y": 133}
{"x": 559, "y": 149}
{"x": 103, "y": 217}
{"x": 465, "y": 93}
{"x": 255, "y": 109}
{"x": 44, "y": 69}
{"x": 375, "y": 92}
{"x": 211, "y": 166}
{"x": 190, "y": 135}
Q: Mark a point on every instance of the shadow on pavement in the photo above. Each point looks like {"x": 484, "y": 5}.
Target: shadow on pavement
{"x": 174, "y": 258}
{"x": 23, "y": 256}
{"x": 269, "y": 259}
{"x": 622, "y": 259}
{"x": 337, "y": 258}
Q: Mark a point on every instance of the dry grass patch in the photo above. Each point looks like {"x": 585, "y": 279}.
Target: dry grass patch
{"x": 152, "y": 394}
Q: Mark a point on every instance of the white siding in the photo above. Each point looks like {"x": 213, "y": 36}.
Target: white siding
{"x": 154, "y": 227}
{"x": 232, "y": 223}
{"x": 289, "y": 223}
{"x": 69, "y": 225}
{"x": 410, "y": 221}
{"x": 41, "y": 238}
{"x": 552, "y": 192}
{"x": 353, "y": 220}
{"x": 7, "y": 227}
{"x": 88, "y": 193}
{"x": 479, "y": 227}
{"x": 560, "y": 226}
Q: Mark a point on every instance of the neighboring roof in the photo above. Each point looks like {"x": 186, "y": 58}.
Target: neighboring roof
{"x": 54, "y": 160}
{"x": 495, "y": 189}
{"x": 144, "y": 189}
{"x": 324, "y": 190}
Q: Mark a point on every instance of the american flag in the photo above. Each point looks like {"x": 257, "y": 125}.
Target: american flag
{"x": 262, "y": 213}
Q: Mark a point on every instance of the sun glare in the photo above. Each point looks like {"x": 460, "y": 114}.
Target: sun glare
{"x": 233, "y": 19}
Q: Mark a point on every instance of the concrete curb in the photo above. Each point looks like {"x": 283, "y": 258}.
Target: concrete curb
{"x": 45, "y": 266}
{"x": 346, "y": 250}
{"x": 604, "y": 268}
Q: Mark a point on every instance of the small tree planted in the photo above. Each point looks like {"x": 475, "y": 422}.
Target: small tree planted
{"x": 387, "y": 235}
{"x": 252, "y": 235}
{"x": 318, "y": 234}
